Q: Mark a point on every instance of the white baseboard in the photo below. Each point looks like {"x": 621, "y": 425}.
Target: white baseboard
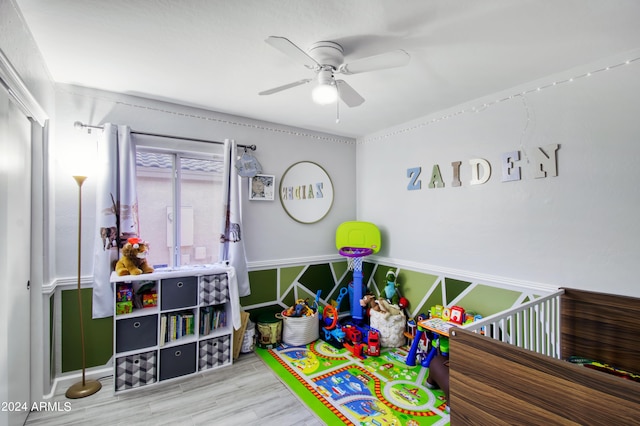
{"x": 66, "y": 380}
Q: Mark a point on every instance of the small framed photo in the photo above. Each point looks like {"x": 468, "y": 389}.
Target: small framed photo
{"x": 262, "y": 187}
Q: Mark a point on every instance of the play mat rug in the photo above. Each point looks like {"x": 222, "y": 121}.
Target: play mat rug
{"x": 342, "y": 389}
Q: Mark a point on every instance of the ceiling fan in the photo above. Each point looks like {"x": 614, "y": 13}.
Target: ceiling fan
{"x": 326, "y": 59}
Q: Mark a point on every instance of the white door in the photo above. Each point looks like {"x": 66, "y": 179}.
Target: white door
{"x": 15, "y": 261}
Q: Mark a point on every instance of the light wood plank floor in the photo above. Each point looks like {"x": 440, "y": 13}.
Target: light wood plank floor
{"x": 246, "y": 393}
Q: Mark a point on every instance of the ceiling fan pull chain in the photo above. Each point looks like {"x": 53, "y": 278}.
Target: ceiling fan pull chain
{"x": 338, "y": 105}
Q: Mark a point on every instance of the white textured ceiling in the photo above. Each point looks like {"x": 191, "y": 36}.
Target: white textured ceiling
{"x": 212, "y": 54}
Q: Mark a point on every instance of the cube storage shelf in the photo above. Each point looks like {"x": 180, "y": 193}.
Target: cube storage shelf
{"x": 169, "y": 325}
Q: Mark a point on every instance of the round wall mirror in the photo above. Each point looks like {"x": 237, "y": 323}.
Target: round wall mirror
{"x": 306, "y": 192}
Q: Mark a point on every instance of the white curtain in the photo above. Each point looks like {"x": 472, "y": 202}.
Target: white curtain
{"x": 116, "y": 210}
{"x": 231, "y": 243}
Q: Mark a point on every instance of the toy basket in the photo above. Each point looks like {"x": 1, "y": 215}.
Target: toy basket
{"x": 391, "y": 328}
{"x": 299, "y": 331}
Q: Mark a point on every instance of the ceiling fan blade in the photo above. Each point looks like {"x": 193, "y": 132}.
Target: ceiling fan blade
{"x": 285, "y": 87}
{"x": 288, "y": 48}
{"x": 348, "y": 95}
{"x": 395, "y": 58}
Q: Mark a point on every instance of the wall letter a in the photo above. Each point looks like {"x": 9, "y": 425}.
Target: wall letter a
{"x": 436, "y": 178}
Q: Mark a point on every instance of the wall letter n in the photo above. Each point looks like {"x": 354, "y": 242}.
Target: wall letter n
{"x": 546, "y": 161}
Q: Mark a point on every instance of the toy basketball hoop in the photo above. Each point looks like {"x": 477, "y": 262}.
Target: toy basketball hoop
{"x": 356, "y": 240}
{"x": 354, "y": 256}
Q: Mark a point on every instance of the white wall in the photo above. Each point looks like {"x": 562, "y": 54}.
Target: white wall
{"x": 18, "y": 47}
{"x": 270, "y": 234}
{"x": 579, "y": 229}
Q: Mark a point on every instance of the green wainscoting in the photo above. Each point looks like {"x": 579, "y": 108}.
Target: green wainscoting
{"x": 275, "y": 289}
{"x": 98, "y": 333}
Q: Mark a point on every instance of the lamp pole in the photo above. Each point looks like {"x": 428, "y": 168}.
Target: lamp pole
{"x": 85, "y": 387}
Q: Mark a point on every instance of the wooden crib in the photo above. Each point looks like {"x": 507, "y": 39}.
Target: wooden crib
{"x": 516, "y": 373}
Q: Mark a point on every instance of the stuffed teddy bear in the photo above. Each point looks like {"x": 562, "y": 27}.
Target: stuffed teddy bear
{"x": 134, "y": 258}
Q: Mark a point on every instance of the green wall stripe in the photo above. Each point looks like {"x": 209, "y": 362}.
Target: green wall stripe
{"x": 339, "y": 268}
{"x": 98, "y": 333}
{"x": 435, "y": 298}
{"x": 414, "y": 285}
{"x": 454, "y": 288}
{"x": 287, "y": 276}
{"x": 486, "y": 300}
{"x": 263, "y": 287}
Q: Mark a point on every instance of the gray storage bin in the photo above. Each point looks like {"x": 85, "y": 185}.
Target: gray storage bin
{"x": 177, "y": 361}
{"x": 136, "y": 333}
{"x": 214, "y": 352}
{"x": 137, "y": 370}
{"x": 214, "y": 289}
{"x": 179, "y": 293}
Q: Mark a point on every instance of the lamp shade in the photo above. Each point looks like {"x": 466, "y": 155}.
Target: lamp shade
{"x": 324, "y": 94}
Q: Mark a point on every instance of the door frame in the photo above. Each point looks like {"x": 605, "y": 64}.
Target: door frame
{"x": 19, "y": 93}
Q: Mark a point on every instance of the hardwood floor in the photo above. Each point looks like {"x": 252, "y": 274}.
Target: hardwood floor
{"x": 246, "y": 393}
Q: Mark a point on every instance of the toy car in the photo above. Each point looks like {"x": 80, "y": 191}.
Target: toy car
{"x": 373, "y": 346}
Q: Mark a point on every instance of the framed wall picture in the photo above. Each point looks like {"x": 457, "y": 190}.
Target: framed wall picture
{"x": 306, "y": 192}
{"x": 262, "y": 187}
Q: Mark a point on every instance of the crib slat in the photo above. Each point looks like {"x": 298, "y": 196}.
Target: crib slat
{"x": 535, "y": 325}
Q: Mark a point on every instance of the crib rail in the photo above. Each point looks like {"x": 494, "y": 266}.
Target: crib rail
{"x": 533, "y": 325}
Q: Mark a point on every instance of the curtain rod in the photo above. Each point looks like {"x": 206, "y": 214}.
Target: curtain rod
{"x": 79, "y": 125}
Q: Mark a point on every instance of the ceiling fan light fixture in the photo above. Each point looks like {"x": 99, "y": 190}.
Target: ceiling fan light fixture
{"x": 324, "y": 94}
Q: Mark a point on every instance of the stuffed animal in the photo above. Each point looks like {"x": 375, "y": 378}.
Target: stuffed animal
{"x": 390, "y": 288}
{"x": 369, "y": 302}
{"x": 134, "y": 258}
{"x": 381, "y": 305}
{"x": 387, "y": 308}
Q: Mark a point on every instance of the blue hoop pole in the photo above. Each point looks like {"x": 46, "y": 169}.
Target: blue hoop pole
{"x": 356, "y": 252}
{"x": 356, "y": 309}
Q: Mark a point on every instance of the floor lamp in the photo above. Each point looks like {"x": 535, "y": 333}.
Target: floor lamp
{"x": 85, "y": 387}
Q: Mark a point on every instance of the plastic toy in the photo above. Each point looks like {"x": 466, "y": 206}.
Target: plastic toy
{"x": 373, "y": 343}
{"x": 355, "y": 240}
{"x": 329, "y": 319}
{"x": 301, "y": 308}
{"x": 353, "y": 341}
{"x": 436, "y": 311}
{"x": 331, "y": 331}
{"x": 411, "y": 329}
{"x": 457, "y": 314}
{"x": 446, "y": 313}
{"x": 335, "y": 336}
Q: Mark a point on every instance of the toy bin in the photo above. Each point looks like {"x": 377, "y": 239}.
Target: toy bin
{"x": 214, "y": 352}
{"x": 299, "y": 331}
{"x": 137, "y": 370}
{"x": 269, "y": 330}
{"x": 391, "y": 328}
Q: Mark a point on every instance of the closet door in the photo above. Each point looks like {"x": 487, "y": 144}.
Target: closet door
{"x": 15, "y": 261}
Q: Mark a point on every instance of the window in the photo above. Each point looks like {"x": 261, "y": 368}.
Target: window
{"x": 166, "y": 180}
